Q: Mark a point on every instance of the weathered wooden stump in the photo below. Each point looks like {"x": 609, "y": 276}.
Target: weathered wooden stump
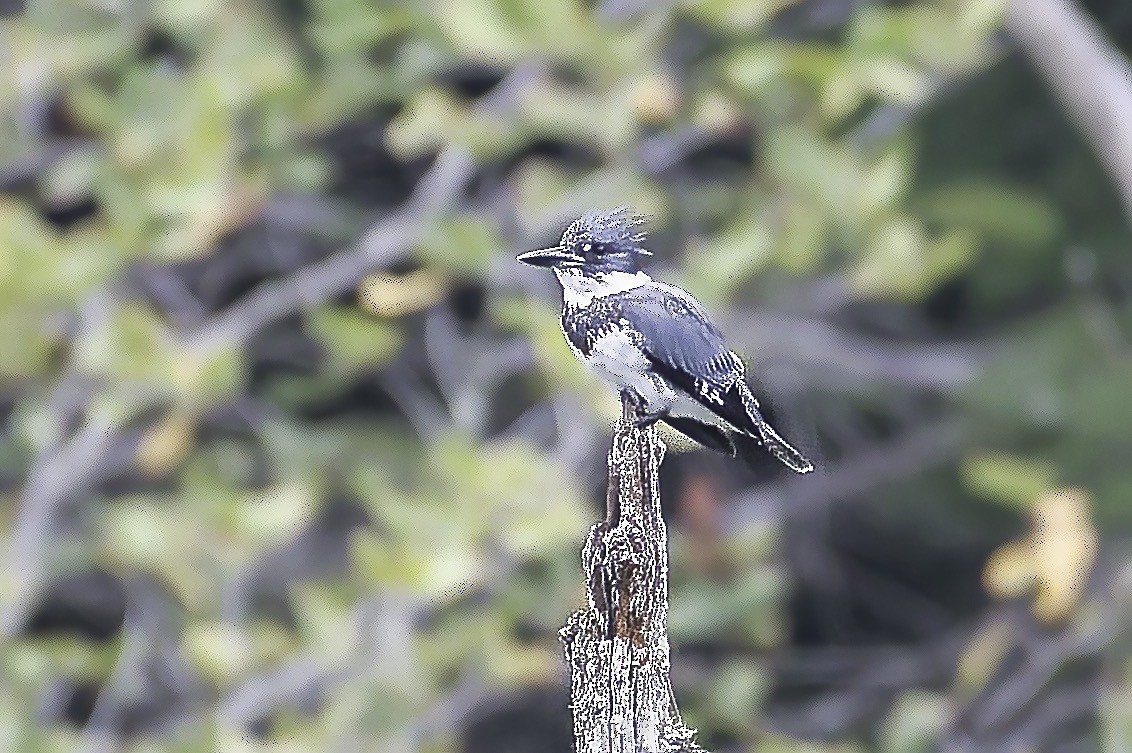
{"x": 617, "y": 647}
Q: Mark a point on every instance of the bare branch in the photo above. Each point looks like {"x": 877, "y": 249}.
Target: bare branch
{"x": 617, "y": 647}
{"x": 57, "y": 471}
{"x": 830, "y": 353}
{"x": 1087, "y": 73}
{"x": 54, "y": 476}
{"x": 871, "y": 468}
{"x": 389, "y": 240}
{"x": 77, "y": 462}
{"x": 386, "y": 242}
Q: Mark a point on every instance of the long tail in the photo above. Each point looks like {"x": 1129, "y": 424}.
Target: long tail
{"x": 770, "y": 439}
{"x": 711, "y": 437}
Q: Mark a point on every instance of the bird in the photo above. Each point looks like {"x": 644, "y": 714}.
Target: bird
{"x": 655, "y": 341}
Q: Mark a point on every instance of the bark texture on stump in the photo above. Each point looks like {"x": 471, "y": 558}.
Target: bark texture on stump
{"x": 617, "y": 647}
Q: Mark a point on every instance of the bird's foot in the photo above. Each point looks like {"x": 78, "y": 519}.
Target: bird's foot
{"x": 643, "y": 419}
{"x": 638, "y": 412}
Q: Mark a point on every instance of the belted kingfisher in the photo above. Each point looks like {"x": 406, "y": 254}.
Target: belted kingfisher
{"x": 654, "y": 340}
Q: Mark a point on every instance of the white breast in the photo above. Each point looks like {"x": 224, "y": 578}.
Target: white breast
{"x": 580, "y": 290}
{"x": 617, "y": 360}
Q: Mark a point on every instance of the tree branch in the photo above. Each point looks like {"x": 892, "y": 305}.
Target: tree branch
{"x": 386, "y": 242}
{"x": 1087, "y": 73}
{"x": 617, "y": 647}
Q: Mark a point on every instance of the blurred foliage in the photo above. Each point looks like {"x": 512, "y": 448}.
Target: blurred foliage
{"x": 356, "y": 525}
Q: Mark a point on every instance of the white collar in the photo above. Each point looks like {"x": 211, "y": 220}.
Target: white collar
{"x": 580, "y": 290}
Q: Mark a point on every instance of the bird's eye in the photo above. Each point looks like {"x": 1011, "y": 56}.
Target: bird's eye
{"x": 587, "y": 247}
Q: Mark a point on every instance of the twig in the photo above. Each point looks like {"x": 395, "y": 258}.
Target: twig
{"x": 387, "y": 241}
{"x": 1043, "y": 659}
{"x": 836, "y": 356}
{"x": 436, "y": 193}
{"x": 407, "y": 390}
{"x": 1025, "y": 704}
{"x": 54, "y": 476}
{"x": 617, "y": 647}
{"x": 1087, "y": 73}
{"x": 862, "y": 472}
{"x": 375, "y": 643}
{"x": 64, "y": 467}
{"x": 75, "y": 463}
{"x": 128, "y": 680}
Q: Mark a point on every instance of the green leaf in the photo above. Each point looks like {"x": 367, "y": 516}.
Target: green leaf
{"x": 738, "y": 691}
{"x": 915, "y": 723}
{"x": 999, "y": 211}
{"x": 463, "y": 244}
{"x": 1008, "y": 478}
{"x": 354, "y": 341}
{"x": 131, "y": 345}
{"x": 722, "y": 264}
{"x": 744, "y": 608}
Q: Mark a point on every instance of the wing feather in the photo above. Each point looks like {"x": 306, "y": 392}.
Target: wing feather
{"x": 685, "y": 346}
{"x": 681, "y": 339}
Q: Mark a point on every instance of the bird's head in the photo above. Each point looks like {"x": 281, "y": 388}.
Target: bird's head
{"x": 595, "y": 244}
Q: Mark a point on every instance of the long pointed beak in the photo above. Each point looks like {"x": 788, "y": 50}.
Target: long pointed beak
{"x": 548, "y": 257}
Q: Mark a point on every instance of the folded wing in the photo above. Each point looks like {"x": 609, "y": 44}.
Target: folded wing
{"x": 685, "y": 346}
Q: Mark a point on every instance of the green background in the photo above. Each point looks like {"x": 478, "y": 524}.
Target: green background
{"x": 293, "y": 455}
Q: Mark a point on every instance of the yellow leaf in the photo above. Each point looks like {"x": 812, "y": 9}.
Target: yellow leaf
{"x": 1009, "y": 571}
{"x": 219, "y": 649}
{"x": 1066, "y": 548}
{"x": 397, "y": 295}
{"x": 1057, "y": 556}
{"x": 276, "y": 514}
{"x": 1005, "y": 477}
{"x": 164, "y": 444}
{"x": 655, "y": 97}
